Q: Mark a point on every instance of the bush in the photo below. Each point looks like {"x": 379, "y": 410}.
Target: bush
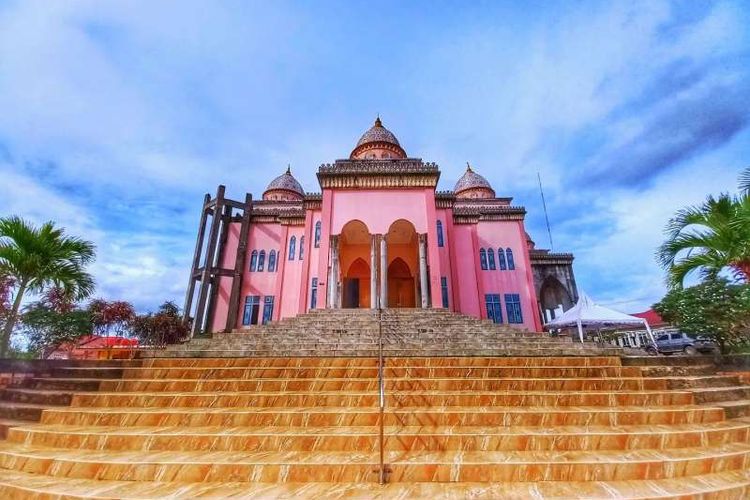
{"x": 161, "y": 328}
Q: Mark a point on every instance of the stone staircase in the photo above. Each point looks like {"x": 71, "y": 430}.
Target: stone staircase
{"x": 406, "y": 332}
{"x": 282, "y": 427}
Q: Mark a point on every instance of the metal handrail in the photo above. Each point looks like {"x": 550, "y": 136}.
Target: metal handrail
{"x": 381, "y": 389}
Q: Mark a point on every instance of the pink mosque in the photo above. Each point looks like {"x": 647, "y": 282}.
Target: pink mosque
{"x": 378, "y": 234}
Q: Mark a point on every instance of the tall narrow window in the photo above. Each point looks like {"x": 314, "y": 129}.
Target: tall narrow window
{"x": 501, "y": 259}
{"x": 267, "y": 309}
{"x": 483, "y": 258}
{"x": 261, "y": 260}
{"x": 250, "y": 313}
{"x": 314, "y": 294}
{"x": 292, "y": 246}
{"x": 253, "y": 260}
{"x": 440, "y": 233}
{"x": 491, "y": 258}
{"x": 444, "y": 290}
{"x": 272, "y": 261}
{"x": 317, "y": 234}
{"x": 494, "y": 309}
{"x": 301, "y": 247}
{"x": 513, "y": 308}
{"x": 511, "y": 263}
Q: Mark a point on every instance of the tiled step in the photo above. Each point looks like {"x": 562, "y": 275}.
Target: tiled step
{"x": 408, "y": 416}
{"x": 290, "y": 466}
{"x": 715, "y": 394}
{"x": 7, "y": 423}
{"x": 21, "y": 411}
{"x": 37, "y": 396}
{"x": 514, "y": 352}
{"x": 366, "y": 439}
{"x": 400, "y": 384}
{"x": 62, "y": 384}
{"x": 370, "y": 398}
{"x": 725, "y": 485}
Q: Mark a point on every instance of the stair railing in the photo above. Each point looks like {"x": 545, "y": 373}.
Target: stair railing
{"x": 381, "y": 391}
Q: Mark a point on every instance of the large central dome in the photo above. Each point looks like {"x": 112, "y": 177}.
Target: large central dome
{"x": 378, "y": 143}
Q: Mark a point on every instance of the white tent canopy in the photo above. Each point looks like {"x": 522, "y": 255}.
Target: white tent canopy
{"x": 588, "y": 314}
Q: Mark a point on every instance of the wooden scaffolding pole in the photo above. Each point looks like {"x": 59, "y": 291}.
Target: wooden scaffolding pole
{"x": 239, "y": 264}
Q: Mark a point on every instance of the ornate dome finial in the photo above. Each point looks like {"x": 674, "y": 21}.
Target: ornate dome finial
{"x": 468, "y": 167}
{"x": 378, "y": 123}
{"x": 289, "y": 168}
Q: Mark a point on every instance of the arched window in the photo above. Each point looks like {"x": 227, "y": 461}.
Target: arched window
{"x": 272, "y": 261}
{"x": 301, "y": 247}
{"x": 317, "y": 234}
{"x": 261, "y": 260}
{"x": 501, "y": 259}
{"x": 483, "y": 258}
{"x": 440, "y": 233}
{"x": 511, "y": 263}
{"x": 491, "y": 258}
{"x": 292, "y": 246}
{"x": 253, "y": 260}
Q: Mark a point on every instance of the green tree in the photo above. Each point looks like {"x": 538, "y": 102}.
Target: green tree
{"x": 38, "y": 258}
{"x": 163, "y": 327}
{"x": 48, "y": 328}
{"x": 716, "y": 309}
{"x": 710, "y": 237}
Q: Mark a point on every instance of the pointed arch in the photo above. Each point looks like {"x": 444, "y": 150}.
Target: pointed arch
{"x": 292, "y": 247}
{"x": 261, "y": 260}
{"x": 440, "y": 239}
{"x": 272, "y": 261}
{"x": 491, "y": 259}
{"x": 301, "y": 247}
{"x": 483, "y": 259}
{"x": 501, "y": 259}
{"x": 511, "y": 262}
{"x": 317, "y": 234}
{"x": 253, "y": 261}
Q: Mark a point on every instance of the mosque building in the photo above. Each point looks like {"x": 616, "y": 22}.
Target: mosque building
{"x": 378, "y": 234}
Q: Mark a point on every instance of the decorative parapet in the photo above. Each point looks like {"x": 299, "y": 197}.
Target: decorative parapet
{"x": 374, "y": 174}
{"x": 312, "y": 201}
{"x": 472, "y": 215}
{"x": 545, "y": 257}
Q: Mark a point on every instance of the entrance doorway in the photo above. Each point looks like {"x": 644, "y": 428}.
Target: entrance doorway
{"x": 403, "y": 257}
{"x": 357, "y": 285}
{"x": 354, "y": 256}
{"x": 401, "y": 285}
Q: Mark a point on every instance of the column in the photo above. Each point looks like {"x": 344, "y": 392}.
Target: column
{"x": 333, "y": 283}
{"x": 383, "y": 272}
{"x": 373, "y": 272}
{"x": 423, "y": 269}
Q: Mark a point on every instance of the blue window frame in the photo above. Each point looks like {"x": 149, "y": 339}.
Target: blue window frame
{"x": 494, "y": 309}
{"x": 444, "y": 291}
{"x": 250, "y": 313}
{"x": 314, "y": 294}
{"x": 292, "y": 247}
{"x": 513, "y": 308}
{"x": 441, "y": 242}
{"x": 511, "y": 263}
{"x": 501, "y": 259}
{"x": 267, "y": 309}
{"x": 317, "y": 234}
{"x": 483, "y": 259}
{"x": 491, "y": 258}
{"x": 253, "y": 260}
{"x": 272, "y": 261}
{"x": 261, "y": 260}
{"x": 301, "y": 247}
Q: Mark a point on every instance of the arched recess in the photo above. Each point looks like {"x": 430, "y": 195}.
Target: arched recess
{"x": 354, "y": 255}
{"x": 401, "y": 284}
{"x": 554, "y": 298}
{"x": 403, "y": 258}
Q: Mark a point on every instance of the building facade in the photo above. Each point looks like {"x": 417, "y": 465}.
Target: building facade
{"x": 378, "y": 234}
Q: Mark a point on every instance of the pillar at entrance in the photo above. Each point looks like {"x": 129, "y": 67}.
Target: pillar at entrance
{"x": 373, "y": 272}
{"x": 383, "y": 272}
{"x": 333, "y": 278}
{"x": 423, "y": 270}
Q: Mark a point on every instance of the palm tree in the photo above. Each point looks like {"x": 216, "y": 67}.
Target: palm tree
{"x": 710, "y": 237}
{"x": 37, "y": 258}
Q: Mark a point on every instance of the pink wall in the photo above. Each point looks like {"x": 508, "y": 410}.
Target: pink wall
{"x": 292, "y": 275}
{"x": 379, "y": 209}
{"x": 462, "y": 246}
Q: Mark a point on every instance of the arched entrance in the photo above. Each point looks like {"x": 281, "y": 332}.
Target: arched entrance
{"x": 354, "y": 256}
{"x": 401, "y": 285}
{"x": 403, "y": 258}
{"x": 553, "y": 299}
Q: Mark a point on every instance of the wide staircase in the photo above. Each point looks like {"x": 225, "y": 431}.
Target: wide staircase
{"x": 542, "y": 426}
{"x": 404, "y": 332}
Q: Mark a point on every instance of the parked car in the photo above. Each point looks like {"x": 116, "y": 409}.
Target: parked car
{"x": 669, "y": 343}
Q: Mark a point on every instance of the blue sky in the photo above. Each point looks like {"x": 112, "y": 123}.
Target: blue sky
{"x": 116, "y": 117}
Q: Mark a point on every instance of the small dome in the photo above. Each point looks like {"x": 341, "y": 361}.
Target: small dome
{"x": 378, "y": 143}
{"x": 473, "y": 185}
{"x": 286, "y": 187}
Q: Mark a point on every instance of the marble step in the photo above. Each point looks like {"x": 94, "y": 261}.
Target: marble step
{"x": 365, "y": 384}
{"x": 733, "y": 484}
{"x": 37, "y": 396}
{"x": 366, "y": 439}
{"x": 370, "y": 398}
{"x": 291, "y": 466}
{"x": 363, "y": 416}
{"x": 390, "y": 353}
{"x": 390, "y": 372}
{"x": 21, "y": 411}
{"x": 7, "y": 423}
{"x": 373, "y": 362}
{"x": 715, "y": 394}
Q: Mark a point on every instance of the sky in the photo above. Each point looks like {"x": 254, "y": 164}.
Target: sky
{"x": 117, "y": 117}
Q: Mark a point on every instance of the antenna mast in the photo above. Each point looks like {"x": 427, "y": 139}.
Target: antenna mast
{"x": 546, "y": 215}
